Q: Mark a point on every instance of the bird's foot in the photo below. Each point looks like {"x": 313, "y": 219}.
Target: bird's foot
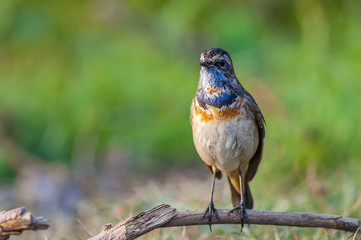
{"x": 210, "y": 210}
{"x": 243, "y": 211}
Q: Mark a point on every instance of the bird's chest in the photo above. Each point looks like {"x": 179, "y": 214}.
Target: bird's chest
{"x": 225, "y": 142}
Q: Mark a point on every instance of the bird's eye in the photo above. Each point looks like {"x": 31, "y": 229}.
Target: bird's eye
{"x": 222, "y": 63}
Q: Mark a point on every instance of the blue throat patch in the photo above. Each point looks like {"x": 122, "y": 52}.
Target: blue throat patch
{"x": 217, "y": 99}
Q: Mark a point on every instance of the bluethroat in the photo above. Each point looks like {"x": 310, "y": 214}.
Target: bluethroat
{"x": 228, "y": 129}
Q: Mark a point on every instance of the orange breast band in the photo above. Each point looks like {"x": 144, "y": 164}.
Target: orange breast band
{"x": 223, "y": 113}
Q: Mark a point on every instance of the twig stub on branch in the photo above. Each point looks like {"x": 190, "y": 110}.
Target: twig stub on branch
{"x": 139, "y": 224}
{"x": 14, "y": 221}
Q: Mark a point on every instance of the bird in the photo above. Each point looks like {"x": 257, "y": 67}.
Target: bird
{"x": 228, "y": 130}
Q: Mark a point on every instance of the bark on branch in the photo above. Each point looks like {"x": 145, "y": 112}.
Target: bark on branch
{"x": 14, "y": 221}
{"x": 165, "y": 216}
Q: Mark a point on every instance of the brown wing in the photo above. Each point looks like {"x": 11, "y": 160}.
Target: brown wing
{"x": 257, "y": 157}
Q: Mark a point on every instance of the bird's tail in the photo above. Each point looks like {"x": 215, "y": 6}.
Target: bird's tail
{"x": 233, "y": 179}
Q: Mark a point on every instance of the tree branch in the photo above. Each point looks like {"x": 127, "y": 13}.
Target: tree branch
{"x": 14, "y": 221}
{"x": 165, "y": 216}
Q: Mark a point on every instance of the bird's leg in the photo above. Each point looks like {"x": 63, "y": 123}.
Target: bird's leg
{"x": 211, "y": 209}
{"x": 242, "y": 205}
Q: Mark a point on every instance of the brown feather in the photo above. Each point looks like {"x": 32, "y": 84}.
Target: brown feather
{"x": 218, "y": 173}
{"x": 257, "y": 157}
{"x": 233, "y": 180}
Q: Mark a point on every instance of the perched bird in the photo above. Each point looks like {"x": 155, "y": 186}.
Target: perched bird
{"x": 228, "y": 129}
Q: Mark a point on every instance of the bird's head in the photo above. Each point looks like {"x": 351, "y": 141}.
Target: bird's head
{"x": 218, "y": 61}
{"x": 218, "y": 82}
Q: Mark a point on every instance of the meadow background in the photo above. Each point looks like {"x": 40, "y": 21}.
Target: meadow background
{"x": 95, "y": 98}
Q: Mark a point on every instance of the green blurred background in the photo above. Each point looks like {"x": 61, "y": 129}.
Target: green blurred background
{"x": 103, "y": 88}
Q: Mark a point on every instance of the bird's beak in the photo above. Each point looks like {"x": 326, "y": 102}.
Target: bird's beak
{"x": 205, "y": 64}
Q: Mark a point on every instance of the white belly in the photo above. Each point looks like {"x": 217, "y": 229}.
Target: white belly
{"x": 225, "y": 144}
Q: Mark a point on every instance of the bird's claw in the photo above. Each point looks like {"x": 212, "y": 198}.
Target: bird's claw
{"x": 243, "y": 211}
{"x": 210, "y": 210}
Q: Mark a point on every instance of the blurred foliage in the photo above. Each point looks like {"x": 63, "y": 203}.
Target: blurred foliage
{"x": 79, "y": 79}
